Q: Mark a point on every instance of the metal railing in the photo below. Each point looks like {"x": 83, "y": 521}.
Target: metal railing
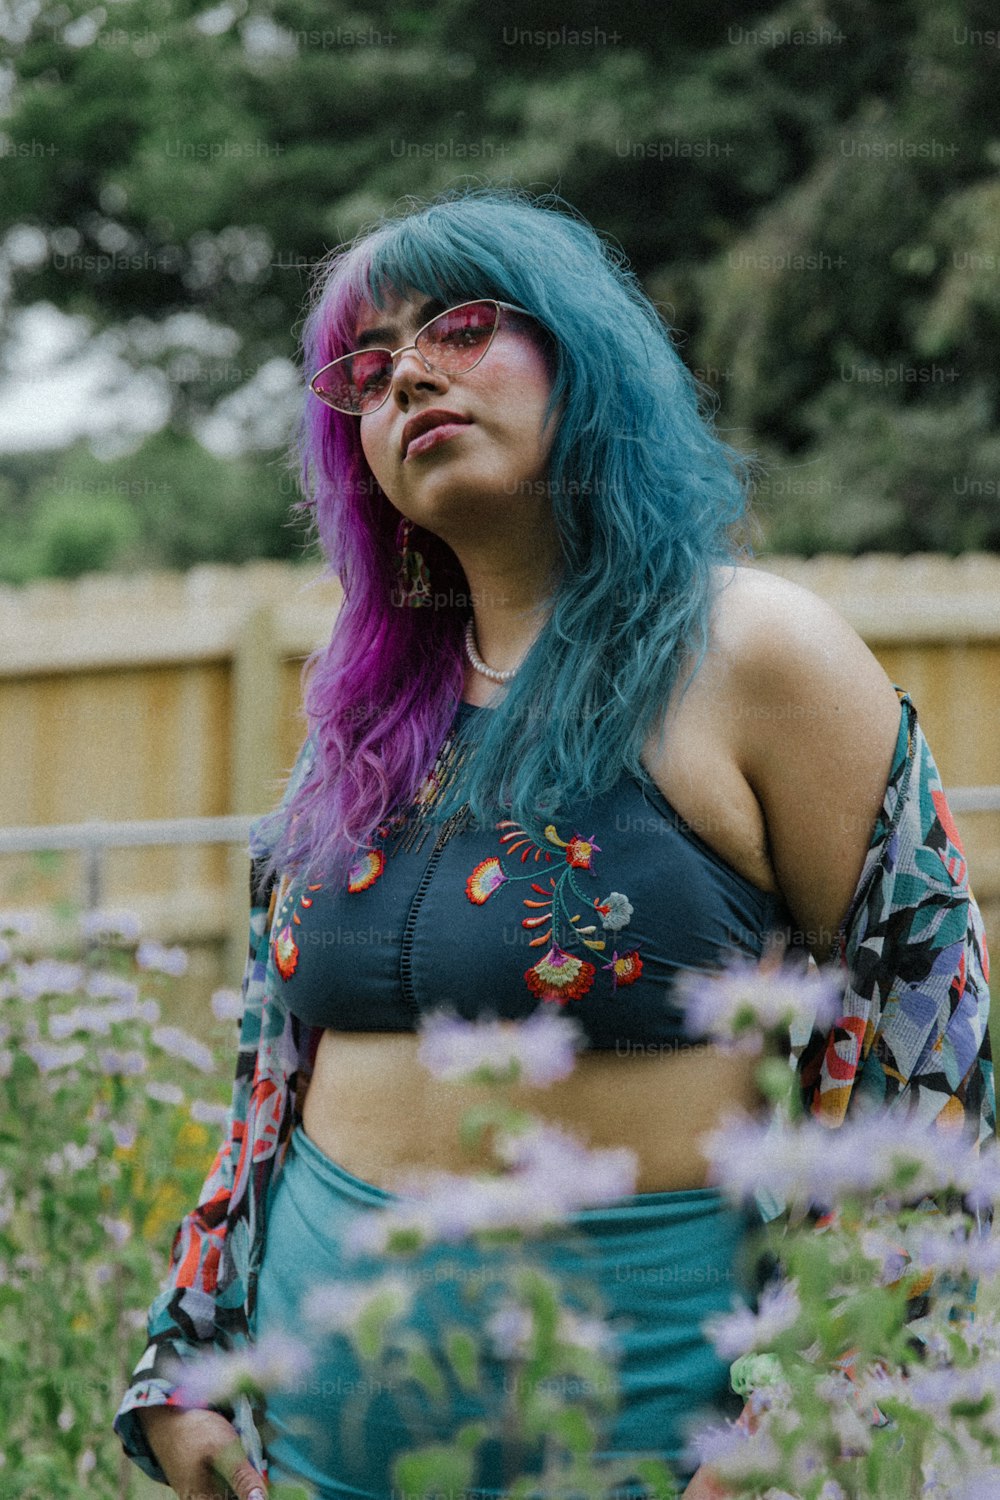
{"x": 93, "y": 840}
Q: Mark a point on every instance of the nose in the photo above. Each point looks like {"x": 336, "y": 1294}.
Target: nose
{"x": 412, "y": 373}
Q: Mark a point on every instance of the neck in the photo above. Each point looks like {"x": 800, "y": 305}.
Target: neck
{"x": 511, "y": 599}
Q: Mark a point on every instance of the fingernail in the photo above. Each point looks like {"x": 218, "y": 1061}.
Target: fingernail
{"x": 256, "y": 1494}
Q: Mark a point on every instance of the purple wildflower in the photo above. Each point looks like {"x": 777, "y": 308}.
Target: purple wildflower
{"x": 209, "y": 1114}
{"x": 510, "y": 1329}
{"x": 592, "y": 1334}
{"x": 336, "y": 1306}
{"x": 130, "y": 1064}
{"x": 19, "y": 923}
{"x": 275, "y": 1362}
{"x": 165, "y": 1093}
{"x": 107, "y": 924}
{"x": 982, "y": 1486}
{"x": 123, "y": 1133}
{"x": 181, "y": 1044}
{"x": 749, "y": 997}
{"x": 172, "y": 961}
{"x": 541, "y": 1050}
{"x": 746, "y": 1332}
{"x": 227, "y": 1005}
{"x": 71, "y": 1158}
{"x": 48, "y": 1058}
{"x": 575, "y": 1176}
{"x": 119, "y": 1230}
{"x": 93, "y": 1019}
{"x": 976, "y": 1254}
{"x": 47, "y": 976}
{"x": 733, "y": 1451}
{"x": 812, "y": 1165}
{"x": 103, "y": 986}
{"x": 553, "y": 1176}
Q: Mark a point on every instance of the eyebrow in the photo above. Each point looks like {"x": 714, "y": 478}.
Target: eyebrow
{"x": 383, "y": 335}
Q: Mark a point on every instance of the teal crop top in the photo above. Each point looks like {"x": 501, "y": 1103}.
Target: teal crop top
{"x": 599, "y": 919}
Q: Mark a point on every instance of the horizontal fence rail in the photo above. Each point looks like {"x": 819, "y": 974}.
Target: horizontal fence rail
{"x": 93, "y": 840}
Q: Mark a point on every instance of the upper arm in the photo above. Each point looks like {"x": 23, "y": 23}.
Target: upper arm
{"x": 816, "y": 744}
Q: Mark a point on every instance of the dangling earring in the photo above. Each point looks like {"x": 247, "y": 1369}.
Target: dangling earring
{"x": 413, "y": 580}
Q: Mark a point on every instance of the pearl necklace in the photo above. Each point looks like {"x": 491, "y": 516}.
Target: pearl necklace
{"x": 476, "y": 661}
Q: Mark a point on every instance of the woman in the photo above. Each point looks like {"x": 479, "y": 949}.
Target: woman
{"x": 534, "y": 528}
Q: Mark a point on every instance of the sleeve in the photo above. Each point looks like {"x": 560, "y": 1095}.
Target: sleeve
{"x": 913, "y": 1036}
{"x": 201, "y": 1305}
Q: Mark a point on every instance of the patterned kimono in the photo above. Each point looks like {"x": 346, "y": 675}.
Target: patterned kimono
{"x": 913, "y": 1036}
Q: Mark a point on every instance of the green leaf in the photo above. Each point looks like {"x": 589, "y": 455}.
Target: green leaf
{"x": 571, "y": 1426}
{"x": 462, "y": 1350}
{"x": 657, "y": 1477}
{"x": 434, "y": 1469}
{"x": 370, "y": 1326}
{"x": 288, "y": 1490}
{"x": 419, "y": 1366}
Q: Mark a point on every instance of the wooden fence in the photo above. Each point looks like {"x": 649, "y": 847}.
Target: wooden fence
{"x": 169, "y": 696}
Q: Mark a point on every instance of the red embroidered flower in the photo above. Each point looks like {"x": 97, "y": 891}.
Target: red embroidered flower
{"x": 559, "y": 976}
{"x": 365, "y": 871}
{"x": 286, "y": 953}
{"x": 625, "y": 968}
{"x": 487, "y": 877}
{"x": 579, "y": 852}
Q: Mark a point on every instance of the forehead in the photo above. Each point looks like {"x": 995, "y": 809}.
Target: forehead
{"x": 399, "y": 310}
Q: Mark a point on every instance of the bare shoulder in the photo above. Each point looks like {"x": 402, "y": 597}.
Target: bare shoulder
{"x": 783, "y": 647}
{"x": 814, "y": 721}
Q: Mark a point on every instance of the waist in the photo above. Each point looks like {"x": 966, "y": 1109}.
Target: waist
{"x": 373, "y": 1108}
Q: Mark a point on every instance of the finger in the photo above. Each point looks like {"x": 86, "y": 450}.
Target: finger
{"x": 235, "y": 1469}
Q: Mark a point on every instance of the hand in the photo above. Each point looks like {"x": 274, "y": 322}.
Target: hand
{"x": 201, "y": 1454}
{"x": 705, "y": 1483}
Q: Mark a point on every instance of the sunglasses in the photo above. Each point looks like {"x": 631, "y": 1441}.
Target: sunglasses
{"x": 453, "y": 342}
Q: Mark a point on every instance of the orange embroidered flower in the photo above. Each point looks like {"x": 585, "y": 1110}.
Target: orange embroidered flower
{"x": 365, "y": 871}
{"x": 579, "y": 852}
{"x": 625, "y": 968}
{"x": 559, "y": 976}
{"x": 487, "y": 877}
{"x": 286, "y": 953}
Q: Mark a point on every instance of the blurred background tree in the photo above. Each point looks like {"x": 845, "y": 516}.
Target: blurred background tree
{"x": 809, "y": 192}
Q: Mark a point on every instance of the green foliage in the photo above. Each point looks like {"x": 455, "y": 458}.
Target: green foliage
{"x": 807, "y": 193}
{"x": 170, "y": 504}
{"x": 95, "y": 1175}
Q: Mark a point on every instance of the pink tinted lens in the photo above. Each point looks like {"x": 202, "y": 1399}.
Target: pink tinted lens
{"x": 457, "y": 338}
{"x": 359, "y": 381}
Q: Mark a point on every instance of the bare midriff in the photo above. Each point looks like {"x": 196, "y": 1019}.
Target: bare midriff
{"x": 373, "y": 1107}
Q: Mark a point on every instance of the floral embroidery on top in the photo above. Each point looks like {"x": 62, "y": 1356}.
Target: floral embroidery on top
{"x": 286, "y": 949}
{"x": 559, "y": 975}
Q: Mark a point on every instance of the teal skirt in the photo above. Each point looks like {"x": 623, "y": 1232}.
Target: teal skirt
{"x": 652, "y": 1267}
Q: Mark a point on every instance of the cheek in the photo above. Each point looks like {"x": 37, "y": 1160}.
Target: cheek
{"x": 374, "y": 448}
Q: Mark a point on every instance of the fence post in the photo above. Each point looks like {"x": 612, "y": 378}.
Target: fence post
{"x": 254, "y": 749}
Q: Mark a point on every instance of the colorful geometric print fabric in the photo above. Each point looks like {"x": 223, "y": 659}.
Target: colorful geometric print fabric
{"x": 913, "y": 1035}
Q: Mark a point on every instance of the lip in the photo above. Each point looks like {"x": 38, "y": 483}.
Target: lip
{"x": 429, "y": 421}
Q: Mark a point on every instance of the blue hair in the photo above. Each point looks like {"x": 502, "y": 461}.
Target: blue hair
{"x": 647, "y": 502}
